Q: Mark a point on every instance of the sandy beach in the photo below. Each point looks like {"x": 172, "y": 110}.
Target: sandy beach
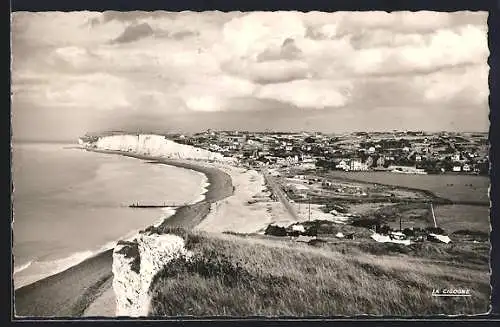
{"x": 249, "y": 210}
{"x": 85, "y": 289}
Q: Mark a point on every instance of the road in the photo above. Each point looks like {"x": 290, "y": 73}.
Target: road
{"x": 278, "y": 192}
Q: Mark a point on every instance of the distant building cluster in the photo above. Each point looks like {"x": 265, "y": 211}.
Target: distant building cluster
{"x": 407, "y": 152}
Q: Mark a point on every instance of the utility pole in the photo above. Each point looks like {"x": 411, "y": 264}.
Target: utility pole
{"x": 309, "y": 209}
{"x": 400, "y": 228}
{"x": 433, "y": 216}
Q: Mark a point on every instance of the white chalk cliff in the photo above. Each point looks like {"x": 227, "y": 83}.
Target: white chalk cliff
{"x": 155, "y": 145}
{"x": 135, "y": 264}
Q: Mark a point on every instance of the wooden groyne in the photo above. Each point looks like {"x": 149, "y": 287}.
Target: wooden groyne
{"x": 164, "y": 205}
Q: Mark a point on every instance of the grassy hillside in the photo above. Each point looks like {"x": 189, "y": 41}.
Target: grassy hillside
{"x": 234, "y": 275}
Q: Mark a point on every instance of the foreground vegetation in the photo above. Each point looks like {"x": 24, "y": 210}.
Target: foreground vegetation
{"x": 237, "y": 275}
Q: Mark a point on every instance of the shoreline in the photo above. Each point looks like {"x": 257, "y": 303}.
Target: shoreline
{"x": 70, "y": 292}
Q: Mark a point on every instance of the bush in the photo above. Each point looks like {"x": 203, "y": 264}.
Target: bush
{"x": 471, "y": 233}
{"x": 383, "y": 229}
{"x": 275, "y": 230}
{"x": 409, "y": 232}
{"x": 365, "y": 222}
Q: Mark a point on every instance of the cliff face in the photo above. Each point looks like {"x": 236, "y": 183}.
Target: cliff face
{"x": 155, "y": 145}
{"x": 135, "y": 264}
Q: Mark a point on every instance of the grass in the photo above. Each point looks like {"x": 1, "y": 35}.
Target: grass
{"x": 448, "y": 186}
{"x": 231, "y": 275}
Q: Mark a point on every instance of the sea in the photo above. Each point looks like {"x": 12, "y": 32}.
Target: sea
{"x": 70, "y": 204}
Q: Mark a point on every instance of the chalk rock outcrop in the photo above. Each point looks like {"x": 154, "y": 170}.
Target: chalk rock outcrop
{"x": 155, "y": 145}
{"x": 135, "y": 263}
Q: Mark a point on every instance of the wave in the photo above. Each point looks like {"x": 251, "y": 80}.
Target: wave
{"x": 22, "y": 267}
{"x": 205, "y": 187}
{"x": 42, "y": 269}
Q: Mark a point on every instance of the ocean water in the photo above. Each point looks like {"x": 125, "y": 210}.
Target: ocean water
{"x": 70, "y": 204}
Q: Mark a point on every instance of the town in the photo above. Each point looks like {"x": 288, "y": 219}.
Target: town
{"x": 397, "y": 151}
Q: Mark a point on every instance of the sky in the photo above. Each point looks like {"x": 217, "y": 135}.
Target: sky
{"x": 79, "y": 72}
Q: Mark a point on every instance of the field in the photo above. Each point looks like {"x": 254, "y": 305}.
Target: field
{"x": 232, "y": 275}
{"x": 414, "y": 211}
{"x": 449, "y": 217}
{"x": 448, "y": 186}
{"x": 463, "y": 217}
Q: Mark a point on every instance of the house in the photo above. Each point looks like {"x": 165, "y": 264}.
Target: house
{"x": 369, "y": 162}
{"x": 307, "y": 165}
{"x": 371, "y": 150}
{"x": 397, "y": 236}
{"x": 326, "y": 184}
{"x": 466, "y": 167}
{"x": 297, "y": 189}
{"x": 357, "y": 165}
{"x": 457, "y": 168}
{"x": 298, "y": 228}
{"x": 407, "y": 170}
{"x": 380, "y": 161}
{"x": 381, "y": 238}
{"x": 343, "y": 165}
{"x": 349, "y": 236}
{"x": 418, "y": 158}
{"x": 455, "y": 157}
{"x": 438, "y": 238}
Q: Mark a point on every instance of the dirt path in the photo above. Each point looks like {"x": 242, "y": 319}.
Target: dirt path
{"x": 278, "y": 192}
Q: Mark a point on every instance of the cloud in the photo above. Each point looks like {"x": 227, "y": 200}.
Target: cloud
{"x": 318, "y": 94}
{"x": 180, "y": 35}
{"x": 162, "y": 64}
{"x": 212, "y": 93}
{"x": 96, "y": 91}
{"x": 134, "y": 33}
{"x": 276, "y": 71}
{"x": 128, "y": 16}
{"x": 287, "y": 51}
{"x": 469, "y": 86}
{"x": 253, "y": 33}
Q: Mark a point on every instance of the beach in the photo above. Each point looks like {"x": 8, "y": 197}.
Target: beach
{"x": 70, "y": 204}
{"x": 71, "y": 292}
{"x": 249, "y": 210}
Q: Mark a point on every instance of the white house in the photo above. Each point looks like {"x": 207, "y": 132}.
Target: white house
{"x": 343, "y": 165}
{"x": 457, "y": 168}
{"x": 298, "y": 228}
{"x": 357, "y": 165}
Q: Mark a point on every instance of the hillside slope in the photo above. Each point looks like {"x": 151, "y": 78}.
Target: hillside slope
{"x": 235, "y": 275}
